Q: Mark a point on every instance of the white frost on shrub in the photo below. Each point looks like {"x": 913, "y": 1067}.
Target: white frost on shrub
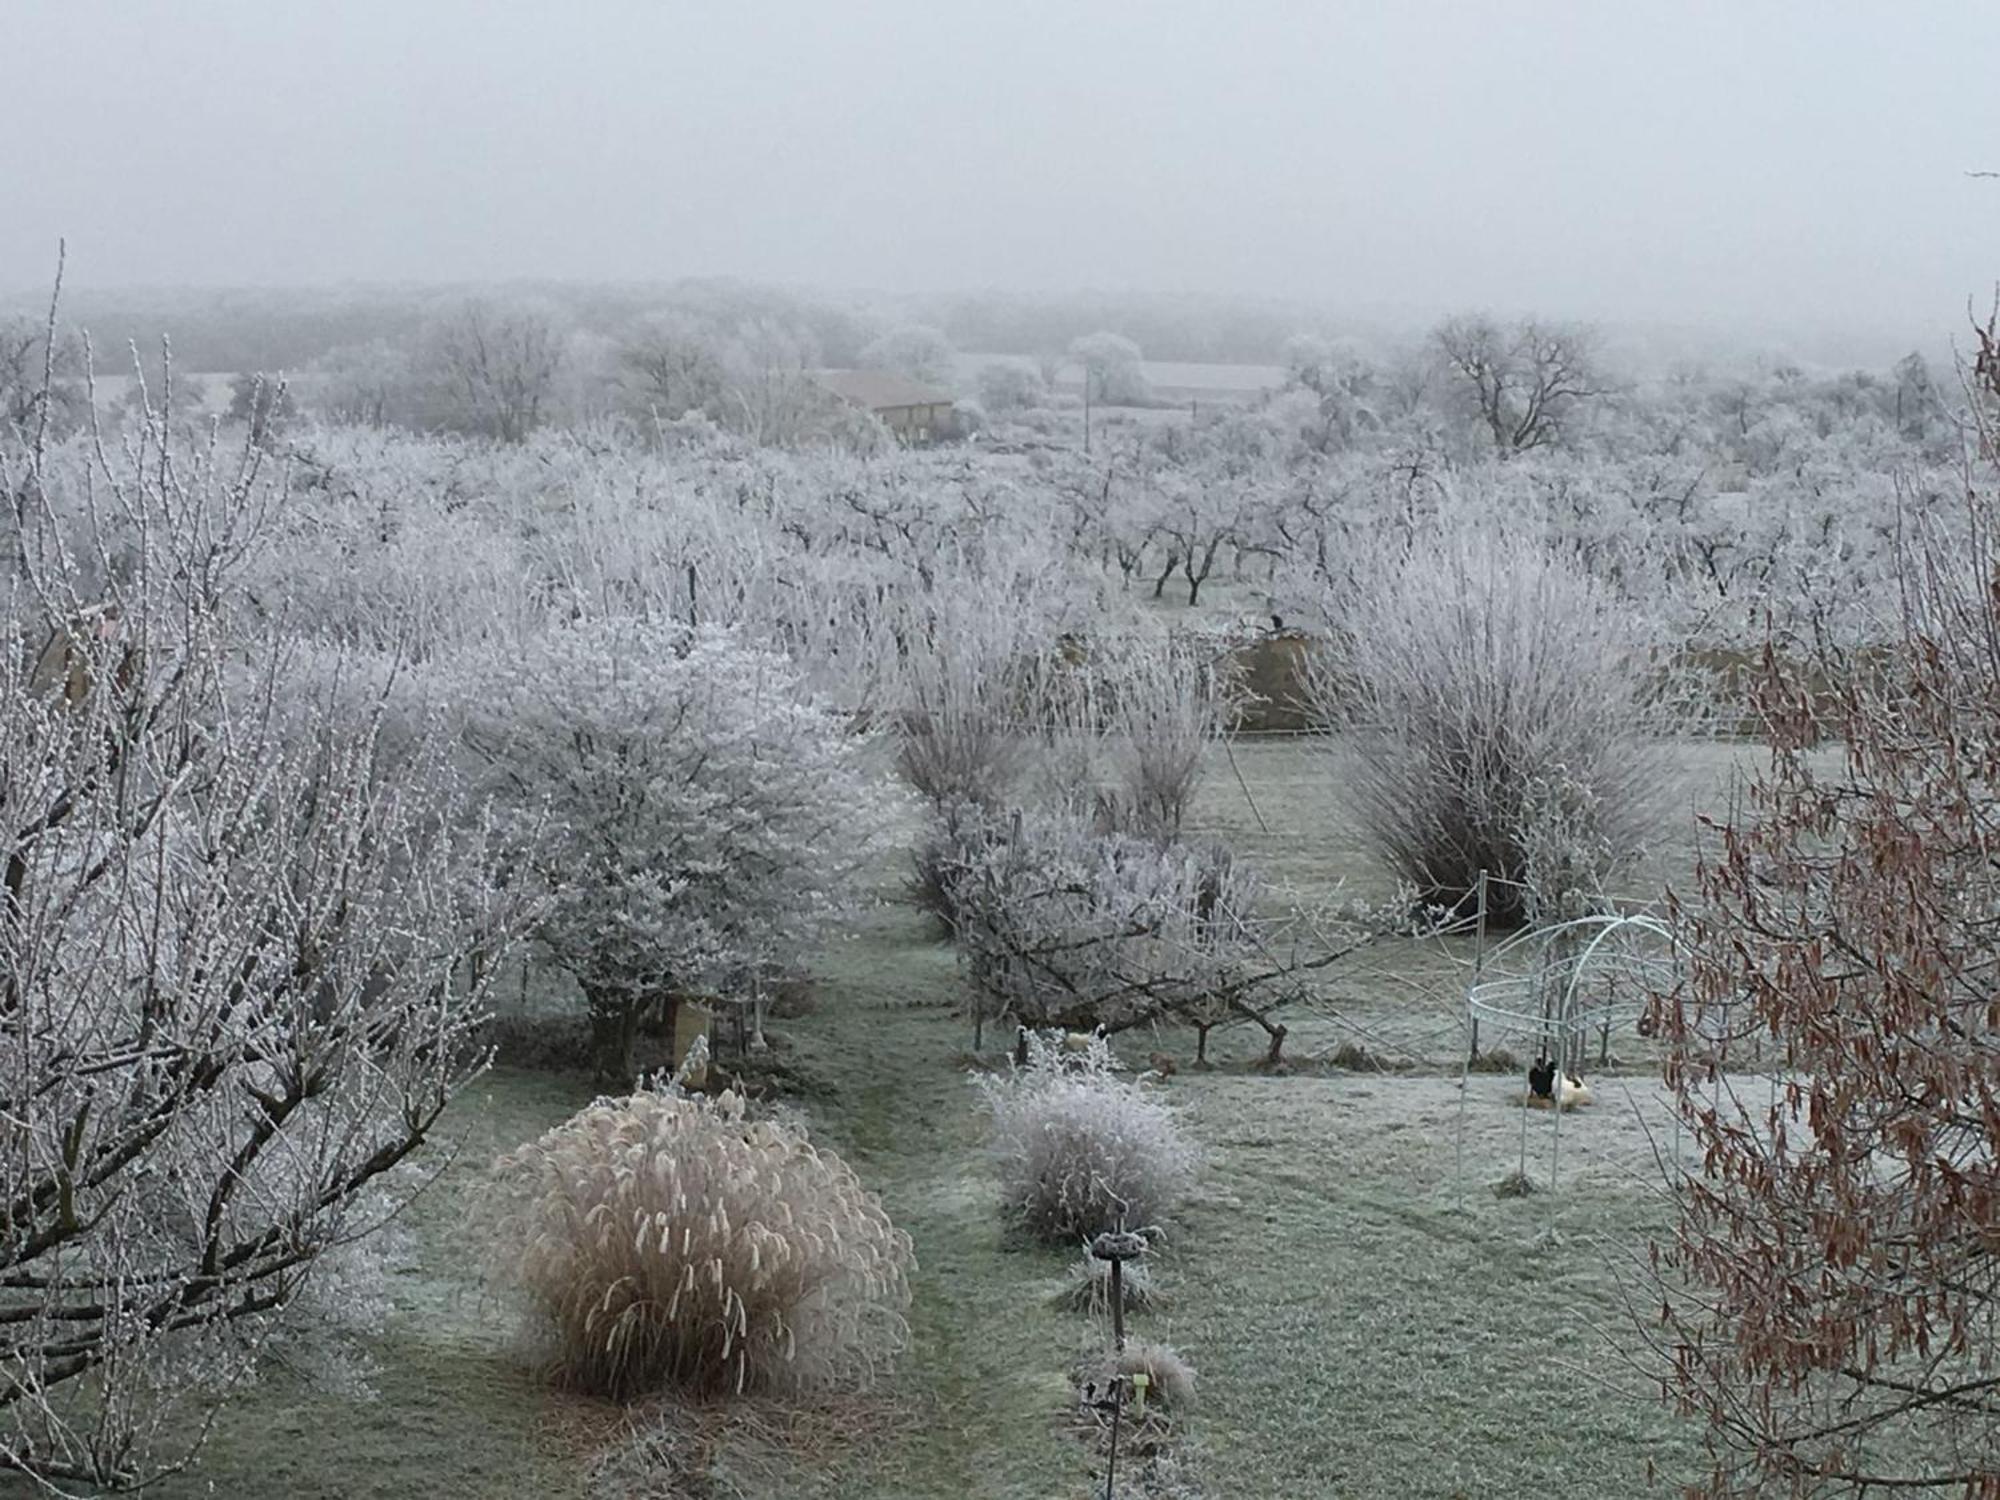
{"x": 697, "y": 816}
{"x": 1493, "y": 699}
{"x": 1080, "y": 1150}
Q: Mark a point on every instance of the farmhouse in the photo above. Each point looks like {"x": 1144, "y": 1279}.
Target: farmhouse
{"x": 915, "y": 412}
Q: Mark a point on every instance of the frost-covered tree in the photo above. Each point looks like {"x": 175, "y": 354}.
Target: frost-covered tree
{"x": 1062, "y": 922}
{"x": 696, "y": 817}
{"x": 768, "y": 395}
{"x": 235, "y": 925}
{"x": 966, "y": 693}
{"x": 263, "y": 404}
{"x": 916, "y": 350}
{"x": 1169, "y": 704}
{"x": 1825, "y": 1305}
{"x": 1344, "y": 386}
{"x": 1008, "y": 385}
{"x": 1524, "y": 383}
{"x": 41, "y": 385}
{"x": 492, "y": 367}
{"x": 1110, "y": 505}
{"x": 364, "y": 385}
{"x": 1206, "y": 512}
{"x": 670, "y": 365}
{"x": 1113, "y": 369}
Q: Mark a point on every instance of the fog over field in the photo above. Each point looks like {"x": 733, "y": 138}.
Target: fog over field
{"x": 1774, "y": 171}
{"x": 1055, "y": 751}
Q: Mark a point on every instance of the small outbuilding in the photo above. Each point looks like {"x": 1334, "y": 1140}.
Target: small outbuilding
{"x": 915, "y": 412}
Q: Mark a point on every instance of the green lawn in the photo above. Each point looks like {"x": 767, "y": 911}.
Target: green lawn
{"x": 1366, "y": 1318}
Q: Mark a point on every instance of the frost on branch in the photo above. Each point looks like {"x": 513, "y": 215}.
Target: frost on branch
{"x": 234, "y": 932}
{"x": 1826, "y": 1303}
{"x": 1493, "y": 706}
{"x": 1061, "y": 925}
{"x": 696, "y": 818}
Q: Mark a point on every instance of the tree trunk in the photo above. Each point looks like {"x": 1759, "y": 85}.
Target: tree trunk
{"x": 1276, "y": 1055}
{"x": 614, "y": 1025}
{"x": 1196, "y": 580}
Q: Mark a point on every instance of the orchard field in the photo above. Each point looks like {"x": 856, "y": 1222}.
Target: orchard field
{"x": 948, "y": 752}
{"x": 1362, "y": 1322}
{"x": 395, "y": 760}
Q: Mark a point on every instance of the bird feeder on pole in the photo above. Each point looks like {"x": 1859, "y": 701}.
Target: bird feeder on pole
{"x": 1117, "y": 1246}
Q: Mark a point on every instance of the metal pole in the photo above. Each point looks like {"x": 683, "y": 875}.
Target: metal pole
{"x": 1522, "y": 1169}
{"x": 1118, "y": 1306}
{"x": 1117, "y": 1407}
{"x": 1472, "y": 1023}
{"x": 1556, "y": 1142}
{"x": 1479, "y": 950}
{"x": 1464, "y": 1087}
{"x": 1117, "y": 1246}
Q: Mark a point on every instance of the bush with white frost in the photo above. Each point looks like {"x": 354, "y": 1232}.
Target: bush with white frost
{"x": 664, "y": 1241}
{"x": 953, "y": 843}
{"x": 1168, "y": 706}
{"x": 1492, "y": 699}
{"x": 1060, "y": 923}
{"x": 1010, "y": 385}
{"x": 696, "y": 816}
{"x": 1080, "y": 1150}
{"x": 1087, "y": 1288}
{"x": 964, "y": 689}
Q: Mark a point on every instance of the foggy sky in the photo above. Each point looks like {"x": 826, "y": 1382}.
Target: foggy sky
{"x": 1745, "y": 163}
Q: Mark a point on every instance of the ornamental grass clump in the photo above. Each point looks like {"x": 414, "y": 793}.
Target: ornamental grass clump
{"x": 664, "y": 1241}
{"x": 1087, "y": 1288}
{"x": 1080, "y": 1150}
{"x": 1169, "y": 1377}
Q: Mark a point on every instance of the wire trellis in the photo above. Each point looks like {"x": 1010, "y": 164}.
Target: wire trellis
{"x": 1566, "y": 985}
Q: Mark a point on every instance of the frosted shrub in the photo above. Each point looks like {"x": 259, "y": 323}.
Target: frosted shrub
{"x": 1063, "y": 926}
{"x": 1079, "y": 1150}
{"x": 1169, "y": 705}
{"x": 955, "y": 843}
{"x": 1087, "y": 1289}
{"x": 1485, "y": 686}
{"x": 663, "y": 1240}
{"x": 1169, "y": 1377}
{"x": 697, "y": 816}
{"x": 961, "y": 688}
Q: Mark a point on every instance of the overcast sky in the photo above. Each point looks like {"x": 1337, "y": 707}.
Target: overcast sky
{"x": 1683, "y": 163}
